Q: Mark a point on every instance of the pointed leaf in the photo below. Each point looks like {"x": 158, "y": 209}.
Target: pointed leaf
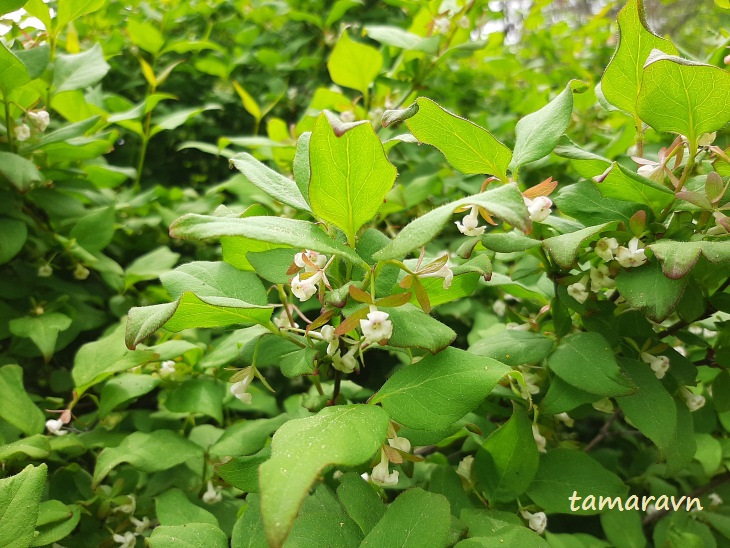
{"x": 80, "y": 70}
{"x": 18, "y": 409}
{"x": 354, "y": 65}
{"x": 20, "y": 498}
{"x": 273, "y": 183}
{"x": 564, "y": 248}
{"x": 679, "y": 258}
{"x": 649, "y": 290}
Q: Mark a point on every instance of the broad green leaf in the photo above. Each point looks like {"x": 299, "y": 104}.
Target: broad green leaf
{"x": 175, "y": 119}
{"x": 622, "y": 79}
{"x": 34, "y": 447}
{"x": 649, "y": 290}
{"x": 439, "y": 389}
{"x": 323, "y": 518}
{"x": 350, "y": 174}
{"x": 679, "y": 258}
{"x": 564, "y": 248}
{"x": 13, "y": 73}
{"x": 302, "y": 448}
{"x": 467, "y": 146}
{"x": 354, "y": 65}
{"x": 415, "y": 519}
{"x": 174, "y": 508}
{"x": 510, "y": 535}
{"x": 95, "y": 230}
{"x": 563, "y": 471}
{"x": 7, "y": 6}
{"x": 214, "y": 279}
{"x": 22, "y": 173}
{"x": 191, "y": 535}
{"x": 650, "y": 409}
{"x": 246, "y": 437}
{"x": 248, "y": 102}
{"x": 70, "y": 10}
{"x": 509, "y": 242}
{"x": 14, "y": 234}
{"x": 721, "y": 392}
{"x": 124, "y": 388}
{"x": 623, "y": 529}
{"x": 300, "y": 166}
{"x": 65, "y": 133}
{"x": 482, "y": 522}
{"x": 708, "y": 453}
{"x": 42, "y": 330}
{"x": 682, "y": 449}
{"x": 148, "y": 452}
{"x": 413, "y": 328}
{"x": 683, "y": 96}
{"x": 190, "y": 311}
{"x": 273, "y": 183}
{"x": 586, "y": 361}
{"x": 243, "y": 472}
{"x": 55, "y": 522}
{"x": 150, "y": 266}
{"x": 505, "y": 202}
{"x": 20, "y": 498}
{"x": 562, "y": 397}
{"x": 299, "y": 234}
{"x": 507, "y": 462}
{"x": 360, "y": 501}
{"x": 249, "y": 529}
{"x": 18, "y": 409}
{"x": 539, "y": 132}
{"x": 583, "y": 202}
{"x": 399, "y": 38}
{"x": 80, "y": 70}
{"x": 514, "y": 347}
{"x": 204, "y": 396}
{"x": 274, "y": 351}
{"x": 145, "y": 35}
{"x": 271, "y": 265}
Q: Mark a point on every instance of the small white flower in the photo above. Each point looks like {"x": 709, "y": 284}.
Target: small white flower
{"x": 305, "y": 289}
{"x": 706, "y": 139}
{"x": 604, "y": 405}
{"x": 346, "y": 363}
{"x": 128, "y": 540}
{"x": 212, "y": 494}
{"x": 22, "y": 132}
{"x": 377, "y": 326}
{"x": 381, "y": 474}
{"x": 45, "y": 271}
{"x": 715, "y": 499}
{"x": 499, "y": 307}
{"x": 514, "y": 326}
{"x": 167, "y": 368}
{"x": 537, "y": 521}
{"x": 140, "y": 526}
{"x": 658, "y": 364}
{"x": 40, "y": 119}
{"x": 578, "y": 290}
{"x": 282, "y": 320}
{"x": 605, "y": 248}
{"x": 464, "y": 468}
{"x": 539, "y": 208}
{"x": 651, "y": 509}
{"x": 328, "y": 334}
{"x": 539, "y": 438}
{"x": 631, "y": 256}
{"x": 531, "y": 387}
{"x": 54, "y": 427}
{"x": 469, "y": 225}
{"x": 81, "y": 272}
{"x": 565, "y": 419}
{"x": 441, "y": 25}
{"x": 128, "y": 508}
{"x": 444, "y": 272}
{"x": 693, "y": 401}
{"x": 601, "y": 278}
{"x": 239, "y": 389}
{"x": 317, "y": 259}
{"x": 402, "y": 444}
{"x": 655, "y": 172}
{"x": 464, "y": 22}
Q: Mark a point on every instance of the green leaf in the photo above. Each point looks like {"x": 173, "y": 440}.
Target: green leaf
{"x": 505, "y": 202}
{"x": 509, "y": 242}
{"x": 350, "y": 174}
{"x": 34, "y": 447}
{"x": 243, "y": 472}
{"x": 249, "y": 529}
{"x": 299, "y": 234}
{"x": 324, "y": 519}
{"x": 191, "y": 535}
{"x": 300, "y": 166}
{"x": 55, "y": 522}
{"x": 683, "y": 96}
{"x": 275, "y": 351}
{"x": 562, "y": 397}
{"x": 360, "y": 501}
{"x": 649, "y": 290}
{"x": 70, "y": 10}
{"x": 271, "y": 265}
{"x": 564, "y": 248}
{"x": 586, "y": 361}
{"x": 507, "y": 462}
{"x": 415, "y": 519}
{"x": 539, "y": 132}
{"x": 204, "y": 396}
{"x": 20, "y": 172}
{"x": 65, "y": 133}
{"x": 467, "y": 146}
{"x": 650, "y": 409}
{"x": 399, "y": 38}
{"x": 20, "y": 498}
{"x": 622, "y": 79}
{"x": 13, "y": 73}
{"x": 124, "y": 388}
{"x": 7, "y": 6}
{"x": 439, "y": 389}
{"x": 80, "y": 70}
{"x": 273, "y": 183}
{"x": 145, "y": 35}
{"x": 246, "y": 437}
{"x": 150, "y": 266}
{"x": 95, "y": 230}
{"x": 214, "y": 279}
{"x": 510, "y": 535}
{"x": 14, "y": 233}
{"x": 563, "y": 471}
{"x": 175, "y": 119}
{"x": 679, "y": 258}
{"x": 413, "y": 328}
{"x": 354, "y": 65}
{"x": 302, "y": 448}
{"x": 148, "y": 452}
{"x": 42, "y": 330}
{"x": 514, "y": 347}
{"x": 623, "y": 529}
{"x": 682, "y": 449}
{"x": 583, "y": 202}
{"x": 18, "y": 409}
{"x": 174, "y": 508}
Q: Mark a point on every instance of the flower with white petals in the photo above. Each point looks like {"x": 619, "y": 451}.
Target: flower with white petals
{"x": 240, "y": 389}
{"x": 282, "y": 320}
{"x": 631, "y": 256}
{"x": 22, "y": 132}
{"x": 441, "y": 25}
{"x": 715, "y": 499}
{"x": 402, "y": 444}
{"x": 45, "y": 271}
{"x": 693, "y": 401}
{"x": 539, "y": 208}
{"x": 304, "y": 289}
{"x": 167, "y": 368}
{"x": 328, "y": 334}
{"x": 605, "y": 248}
{"x": 565, "y": 419}
{"x": 658, "y": 364}
{"x": 537, "y": 521}
{"x": 706, "y": 139}
{"x": 601, "y": 278}
{"x": 128, "y": 540}
{"x": 81, "y": 272}
{"x": 499, "y": 307}
{"x": 303, "y": 260}
{"x": 212, "y": 494}
{"x": 140, "y": 526}
{"x": 539, "y": 438}
{"x": 444, "y": 272}
{"x": 469, "y": 225}
{"x": 578, "y": 290}
{"x": 346, "y": 363}
{"x": 381, "y": 473}
{"x": 464, "y": 468}
{"x": 128, "y": 508}
{"x": 652, "y": 171}
{"x": 54, "y": 427}
{"x": 40, "y": 119}
{"x": 377, "y": 327}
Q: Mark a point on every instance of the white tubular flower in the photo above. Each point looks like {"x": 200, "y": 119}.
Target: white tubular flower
{"x": 45, "y": 271}
{"x": 604, "y": 405}
{"x": 328, "y": 334}
{"x": 346, "y": 363}
{"x": 469, "y": 225}
{"x": 658, "y": 364}
{"x": 537, "y": 521}
{"x": 464, "y": 468}
{"x": 565, "y": 419}
{"x": 167, "y": 368}
{"x": 441, "y": 25}
{"x": 317, "y": 259}
{"x": 40, "y": 119}
{"x": 305, "y": 289}
{"x": 605, "y": 248}
{"x": 128, "y": 508}
{"x": 444, "y": 272}
{"x": 706, "y": 139}
{"x": 631, "y": 256}
{"x": 54, "y": 427}
{"x": 240, "y": 389}
{"x": 578, "y": 290}
{"x": 402, "y": 444}
{"x": 601, "y": 278}
{"x": 715, "y": 499}
{"x": 212, "y": 494}
{"x": 128, "y": 540}
{"x": 140, "y": 526}
{"x": 381, "y": 473}
{"x": 377, "y": 327}
{"x": 539, "y": 438}
{"x": 539, "y": 208}
{"x": 693, "y": 401}
{"x": 22, "y": 132}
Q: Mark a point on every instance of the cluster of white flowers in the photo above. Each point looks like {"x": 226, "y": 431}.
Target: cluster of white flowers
{"x": 539, "y": 208}
{"x": 537, "y": 521}
{"x": 167, "y": 368}
{"x": 628, "y": 257}
{"x": 240, "y": 389}
{"x": 305, "y": 285}
{"x": 212, "y": 494}
{"x": 658, "y": 364}
{"x": 39, "y": 120}
{"x": 127, "y": 508}
{"x": 693, "y": 401}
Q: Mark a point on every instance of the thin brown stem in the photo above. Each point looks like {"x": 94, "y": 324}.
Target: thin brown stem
{"x": 603, "y": 432}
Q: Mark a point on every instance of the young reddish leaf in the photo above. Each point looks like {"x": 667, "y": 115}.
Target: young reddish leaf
{"x": 637, "y": 222}
{"x": 393, "y": 454}
{"x": 352, "y": 321}
{"x": 359, "y": 295}
{"x": 395, "y": 300}
{"x": 321, "y": 320}
{"x": 421, "y": 295}
{"x": 293, "y": 269}
{"x": 407, "y": 281}
{"x": 435, "y": 266}
{"x": 542, "y": 189}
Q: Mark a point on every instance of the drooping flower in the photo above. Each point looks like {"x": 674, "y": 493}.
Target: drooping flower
{"x": 303, "y": 260}
{"x": 40, "y": 119}
{"x": 127, "y": 540}
{"x": 469, "y": 225}
{"x": 212, "y": 494}
{"x": 706, "y": 139}
{"x": 328, "y": 334}
{"x": 464, "y": 468}
{"x": 81, "y": 272}
{"x": 377, "y": 326}
{"x": 537, "y": 521}
{"x": 441, "y": 25}
{"x": 381, "y": 473}
{"x": 304, "y": 289}
{"x": 129, "y": 507}
{"x": 715, "y": 499}
{"x": 565, "y": 419}
{"x": 601, "y": 278}
{"x": 631, "y": 256}
{"x": 693, "y": 401}
{"x": 167, "y": 368}
{"x": 539, "y": 208}
{"x": 347, "y": 362}
{"x": 54, "y": 427}
{"x": 605, "y": 248}
{"x": 402, "y": 444}
{"x": 444, "y": 272}
{"x": 604, "y": 405}
{"x": 240, "y": 389}
{"x": 658, "y": 364}
{"x": 45, "y": 271}
{"x": 140, "y": 526}
{"x": 22, "y": 132}
{"x": 578, "y": 290}
{"x": 539, "y": 438}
